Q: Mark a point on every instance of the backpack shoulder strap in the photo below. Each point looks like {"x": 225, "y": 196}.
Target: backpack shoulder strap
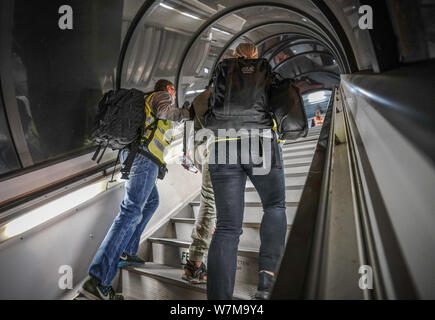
{"x": 133, "y": 151}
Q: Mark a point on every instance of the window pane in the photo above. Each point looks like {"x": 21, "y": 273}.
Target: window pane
{"x": 428, "y": 14}
{"x": 8, "y": 157}
{"x": 414, "y": 26}
{"x": 316, "y": 101}
{"x": 58, "y": 76}
{"x": 347, "y": 14}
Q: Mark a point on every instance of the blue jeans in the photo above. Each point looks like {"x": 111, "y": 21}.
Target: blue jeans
{"x": 140, "y": 202}
{"x": 229, "y": 183}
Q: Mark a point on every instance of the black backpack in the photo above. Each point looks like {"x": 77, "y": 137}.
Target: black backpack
{"x": 288, "y": 109}
{"x": 119, "y": 122}
{"x": 239, "y": 99}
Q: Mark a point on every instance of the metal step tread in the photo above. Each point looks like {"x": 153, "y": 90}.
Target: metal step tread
{"x": 301, "y": 143}
{"x": 172, "y": 275}
{"x": 307, "y": 140}
{"x": 252, "y": 204}
{"x": 297, "y": 165}
{"x": 290, "y": 150}
{"x": 296, "y": 175}
{"x": 291, "y": 188}
{"x": 255, "y": 225}
{"x": 245, "y": 252}
{"x": 302, "y": 156}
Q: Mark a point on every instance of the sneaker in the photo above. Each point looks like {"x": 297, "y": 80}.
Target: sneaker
{"x": 193, "y": 274}
{"x": 93, "y": 290}
{"x": 127, "y": 260}
{"x": 265, "y": 284}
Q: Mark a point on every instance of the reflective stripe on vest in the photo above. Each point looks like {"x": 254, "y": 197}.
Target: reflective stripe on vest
{"x": 318, "y": 121}
{"x": 156, "y": 132}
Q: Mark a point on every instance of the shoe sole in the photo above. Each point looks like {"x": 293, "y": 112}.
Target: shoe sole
{"x": 196, "y": 281}
{"x": 261, "y": 296}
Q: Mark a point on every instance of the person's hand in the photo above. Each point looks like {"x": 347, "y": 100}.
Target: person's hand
{"x": 187, "y": 163}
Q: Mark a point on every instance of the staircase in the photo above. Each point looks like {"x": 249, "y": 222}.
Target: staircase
{"x": 160, "y": 279}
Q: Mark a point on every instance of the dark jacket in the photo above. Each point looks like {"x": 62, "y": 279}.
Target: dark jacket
{"x": 240, "y": 97}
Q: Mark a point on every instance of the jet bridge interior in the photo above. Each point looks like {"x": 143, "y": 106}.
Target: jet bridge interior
{"x": 359, "y": 190}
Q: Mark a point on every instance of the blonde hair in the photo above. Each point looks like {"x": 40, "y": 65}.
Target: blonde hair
{"x": 246, "y": 51}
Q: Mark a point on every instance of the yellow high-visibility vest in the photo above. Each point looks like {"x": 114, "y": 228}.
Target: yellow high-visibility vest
{"x": 318, "y": 121}
{"x": 156, "y": 135}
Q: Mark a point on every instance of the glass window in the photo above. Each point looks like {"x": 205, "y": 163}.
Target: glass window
{"x": 319, "y": 70}
{"x": 414, "y": 25}
{"x": 428, "y": 13}
{"x": 316, "y": 101}
{"x": 58, "y": 76}
{"x": 8, "y": 157}
{"x": 347, "y": 14}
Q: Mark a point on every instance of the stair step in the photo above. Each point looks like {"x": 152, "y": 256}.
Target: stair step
{"x": 296, "y": 170}
{"x": 301, "y": 144}
{"x": 305, "y": 149}
{"x": 291, "y": 196}
{"x": 161, "y": 282}
{"x": 192, "y": 221}
{"x": 291, "y": 179}
{"x": 252, "y": 204}
{"x": 174, "y": 252}
{"x": 314, "y": 135}
{"x": 305, "y": 161}
{"x": 300, "y": 187}
{"x": 309, "y": 152}
{"x": 253, "y": 211}
{"x": 250, "y": 237}
{"x": 308, "y": 140}
{"x": 297, "y": 165}
{"x": 298, "y": 158}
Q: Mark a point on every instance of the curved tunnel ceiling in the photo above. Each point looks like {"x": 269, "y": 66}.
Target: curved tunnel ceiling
{"x": 247, "y": 35}
{"x": 183, "y": 40}
{"x": 282, "y": 46}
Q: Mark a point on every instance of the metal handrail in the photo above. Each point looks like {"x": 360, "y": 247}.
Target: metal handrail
{"x": 296, "y": 274}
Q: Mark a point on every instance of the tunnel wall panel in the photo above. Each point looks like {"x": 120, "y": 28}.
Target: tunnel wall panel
{"x": 405, "y": 178}
{"x": 30, "y": 266}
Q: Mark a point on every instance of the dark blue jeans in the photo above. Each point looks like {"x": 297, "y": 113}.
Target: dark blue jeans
{"x": 229, "y": 183}
{"x": 140, "y": 202}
